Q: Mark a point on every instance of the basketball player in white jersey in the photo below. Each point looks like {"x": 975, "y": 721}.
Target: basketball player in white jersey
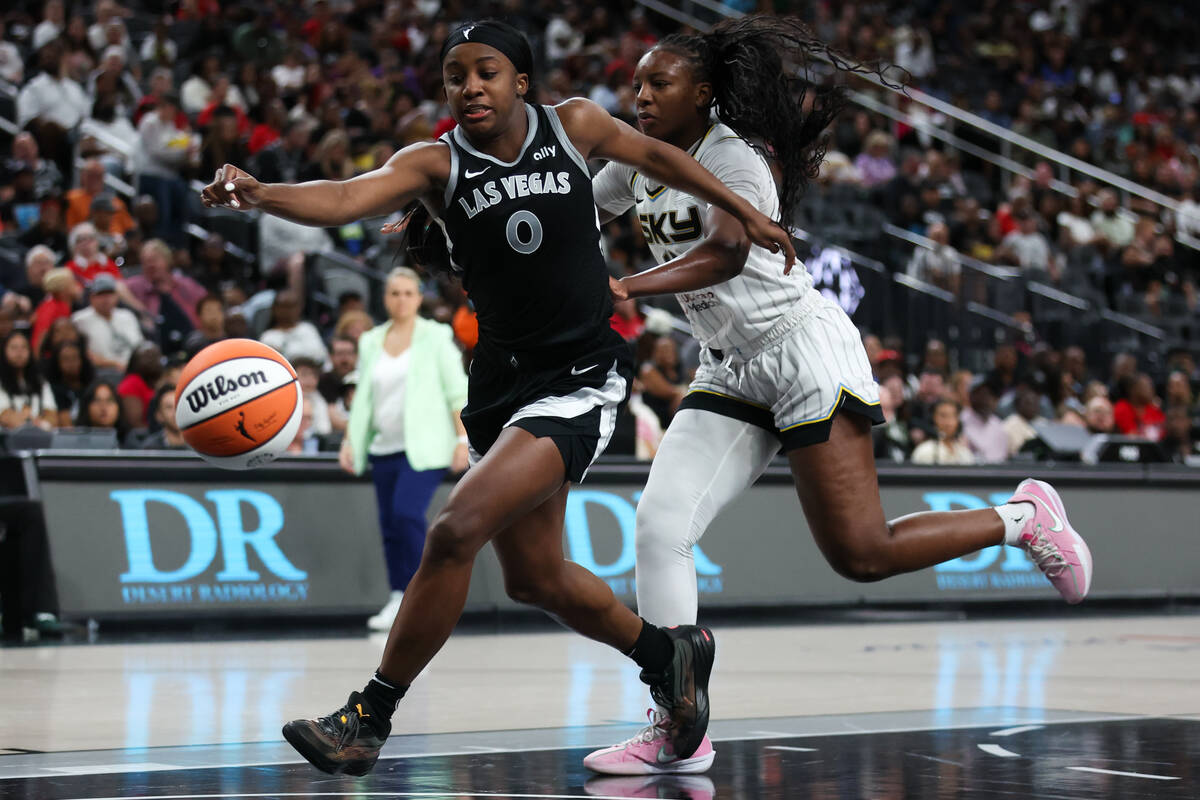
{"x": 781, "y": 366}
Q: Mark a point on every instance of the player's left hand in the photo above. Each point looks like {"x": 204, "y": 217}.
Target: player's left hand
{"x": 767, "y": 234}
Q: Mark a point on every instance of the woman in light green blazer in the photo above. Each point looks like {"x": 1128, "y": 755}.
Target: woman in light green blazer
{"x": 405, "y": 421}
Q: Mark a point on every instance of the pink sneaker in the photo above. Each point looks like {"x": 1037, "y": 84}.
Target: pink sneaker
{"x": 1053, "y": 543}
{"x": 649, "y": 753}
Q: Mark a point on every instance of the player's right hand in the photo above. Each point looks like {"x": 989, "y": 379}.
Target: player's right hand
{"x": 232, "y": 188}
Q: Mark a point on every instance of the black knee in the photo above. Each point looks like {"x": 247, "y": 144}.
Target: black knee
{"x": 452, "y": 538}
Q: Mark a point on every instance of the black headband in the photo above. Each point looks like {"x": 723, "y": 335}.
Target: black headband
{"x": 505, "y": 38}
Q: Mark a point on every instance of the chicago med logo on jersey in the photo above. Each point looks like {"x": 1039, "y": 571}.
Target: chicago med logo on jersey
{"x": 512, "y": 187}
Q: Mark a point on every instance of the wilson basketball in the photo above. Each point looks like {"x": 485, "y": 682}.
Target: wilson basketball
{"x": 238, "y": 403}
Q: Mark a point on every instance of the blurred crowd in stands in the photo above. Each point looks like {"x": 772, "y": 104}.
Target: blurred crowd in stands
{"x": 112, "y": 274}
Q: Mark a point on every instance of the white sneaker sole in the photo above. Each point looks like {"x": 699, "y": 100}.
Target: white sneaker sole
{"x": 686, "y": 766}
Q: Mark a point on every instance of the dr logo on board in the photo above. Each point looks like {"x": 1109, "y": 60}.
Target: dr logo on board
{"x": 271, "y": 576}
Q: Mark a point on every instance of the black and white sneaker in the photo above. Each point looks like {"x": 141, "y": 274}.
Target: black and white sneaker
{"x": 682, "y": 690}
{"x": 346, "y": 742}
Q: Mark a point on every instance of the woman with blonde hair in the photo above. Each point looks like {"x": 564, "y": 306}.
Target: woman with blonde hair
{"x": 405, "y": 421}
{"x": 353, "y": 324}
{"x": 331, "y": 161}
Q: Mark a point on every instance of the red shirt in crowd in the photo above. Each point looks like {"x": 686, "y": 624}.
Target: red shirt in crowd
{"x": 1147, "y": 422}
{"x": 87, "y": 272}
{"x": 135, "y": 386}
{"x": 47, "y": 311}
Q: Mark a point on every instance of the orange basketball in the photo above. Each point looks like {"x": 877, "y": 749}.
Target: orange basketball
{"x": 238, "y": 403}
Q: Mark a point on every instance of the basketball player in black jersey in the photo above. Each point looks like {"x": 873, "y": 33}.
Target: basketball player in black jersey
{"x": 510, "y": 190}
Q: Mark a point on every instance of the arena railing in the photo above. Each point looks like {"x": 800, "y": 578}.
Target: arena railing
{"x": 1008, "y": 139}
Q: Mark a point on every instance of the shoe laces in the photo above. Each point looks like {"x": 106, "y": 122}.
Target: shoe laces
{"x": 659, "y": 724}
{"x": 342, "y": 725}
{"x": 1046, "y": 554}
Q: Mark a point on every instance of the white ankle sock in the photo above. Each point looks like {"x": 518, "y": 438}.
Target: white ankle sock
{"x": 1014, "y": 516}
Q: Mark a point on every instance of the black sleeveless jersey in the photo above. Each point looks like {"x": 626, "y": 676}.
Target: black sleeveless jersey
{"x": 525, "y": 237}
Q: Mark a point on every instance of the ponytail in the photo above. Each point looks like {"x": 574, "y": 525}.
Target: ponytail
{"x": 758, "y": 68}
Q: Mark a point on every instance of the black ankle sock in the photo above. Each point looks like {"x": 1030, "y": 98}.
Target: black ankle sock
{"x": 653, "y": 649}
{"x": 383, "y": 695}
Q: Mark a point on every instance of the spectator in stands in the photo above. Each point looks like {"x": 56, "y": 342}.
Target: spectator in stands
{"x": 222, "y": 143}
{"x": 109, "y": 135}
{"x": 948, "y": 446}
{"x": 939, "y": 264}
{"x": 87, "y": 259}
{"x": 352, "y": 325}
{"x": 12, "y": 66}
{"x": 1074, "y": 228}
{"x": 875, "y": 163}
{"x": 168, "y": 436}
{"x": 343, "y": 359}
{"x": 49, "y": 107}
{"x": 169, "y": 297}
{"x": 662, "y": 379}
{"x": 1178, "y": 391}
{"x": 99, "y": 407}
{"x": 102, "y": 211}
{"x": 282, "y": 161}
{"x": 291, "y": 335}
{"x": 305, "y": 441}
{"x": 91, "y": 186}
{"x": 1019, "y": 426}
{"x": 25, "y": 397}
{"x": 929, "y": 391}
{"x": 409, "y": 429}
{"x": 891, "y": 439}
{"x": 983, "y": 430}
{"x": 69, "y": 372}
{"x": 38, "y": 261}
{"x": 308, "y": 370}
{"x": 210, "y": 316}
{"x": 165, "y": 149}
{"x": 331, "y": 160}
{"x": 627, "y": 320}
{"x": 1123, "y": 371}
{"x": 159, "y": 49}
{"x": 196, "y": 92}
{"x": 47, "y": 177}
{"x": 1114, "y": 230}
{"x": 1140, "y": 414}
{"x": 136, "y": 389}
{"x": 1179, "y": 442}
{"x": 62, "y": 290}
{"x": 112, "y": 333}
{"x": 48, "y": 231}
{"x": 1028, "y": 248}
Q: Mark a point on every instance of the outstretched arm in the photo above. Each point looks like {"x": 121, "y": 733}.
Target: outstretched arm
{"x": 406, "y": 176}
{"x": 717, "y": 259}
{"x": 596, "y": 134}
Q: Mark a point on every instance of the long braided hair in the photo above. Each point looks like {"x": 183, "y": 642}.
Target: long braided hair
{"x": 759, "y": 69}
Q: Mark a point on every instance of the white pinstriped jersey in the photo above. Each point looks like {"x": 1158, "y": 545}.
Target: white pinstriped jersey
{"x": 730, "y": 314}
